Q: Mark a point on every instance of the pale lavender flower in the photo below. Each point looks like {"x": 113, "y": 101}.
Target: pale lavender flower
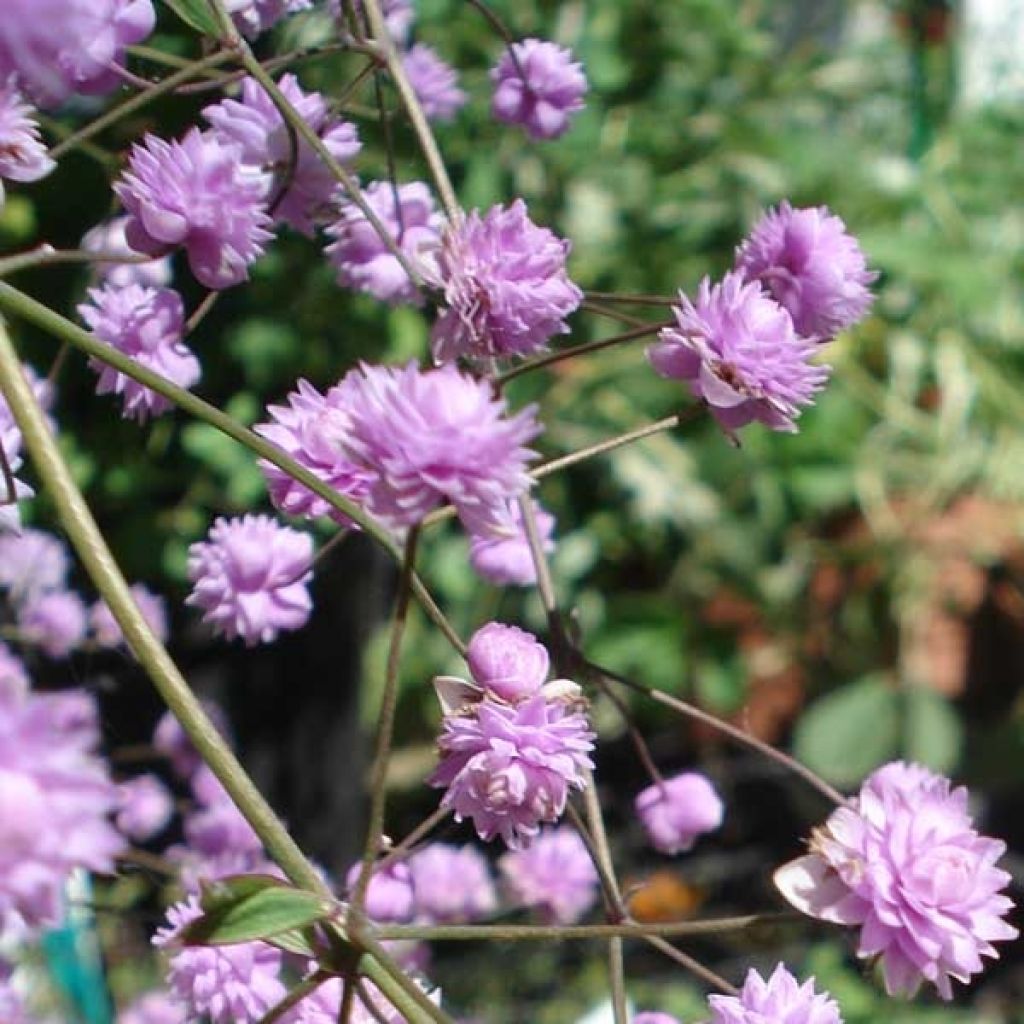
{"x": 196, "y": 193}
{"x": 511, "y": 768}
{"x": 655, "y": 1017}
{"x": 738, "y": 349}
{"x": 779, "y": 1000}
{"x": 251, "y": 578}
{"x": 171, "y": 740}
{"x": 57, "y": 47}
{"x": 23, "y": 157}
{"x": 255, "y": 125}
{"x": 234, "y": 984}
{"x": 361, "y": 258}
{"x": 14, "y": 682}
{"x": 10, "y": 512}
{"x": 435, "y": 82}
{"x": 56, "y": 621}
{"x": 10, "y": 434}
{"x": 435, "y": 435}
{"x": 676, "y": 811}
{"x": 107, "y": 633}
{"x": 509, "y": 662}
{"x": 502, "y": 555}
{"x": 389, "y": 896}
{"x": 309, "y": 429}
{"x": 554, "y": 875}
{"x": 145, "y": 807}
{"x": 32, "y": 562}
{"x": 147, "y": 324}
{"x": 55, "y": 801}
{"x": 254, "y": 17}
{"x": 154, "y": 1008}
{"x": 812, "y": 266}
{"x": 545, "y": 95}
{"x": 109, "y": 237}
{"x": 451, "y": 884}
{"x": 506, "y": 289}
{"x": 324, "y": 1006}
{"x": 905, "y": 863}
{"x": 217, "y": 827}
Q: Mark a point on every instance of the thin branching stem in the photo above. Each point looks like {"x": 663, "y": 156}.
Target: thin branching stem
{"x": 694, "y": 966}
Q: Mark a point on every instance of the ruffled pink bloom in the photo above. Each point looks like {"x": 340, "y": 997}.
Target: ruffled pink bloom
{"x": 109, "y": 238}
{"x": 555, "y": 876}
{"x": 23, "y": 157}
{"x": 812, "y": 266}
{"x": 253, "y": 17}
{"x": 309, "y": 429}
{"x": 502, "y": 555}
{"x": 542, "y": 92}
{"x": 904, "y": 862}
{"x": 145, "y": 806}
{"x": 56, "y": 799}
{"x": 255, "y": 125}
{"x": 434, "y": 435}
{"x": 511, "y": 768}
{"x": 678, "y": 810}
{"x": 389, "y": 896}
{"x": 779, "y": 1000}
{"x": 154, "y": 1008}
{"x": 55, "y": 621}
{"x": 451, "y": 884}
{"x": 506, "y": 288}
{"x": 435, "y": 82}
{"x": 147, "y": 324}
{"x": 32, "y": 562}
{"x": 14, "y": 682}
{"x": 217, "y": 827}
{"x": 234, "y": 984}
{"x": 197, "y": 193}
{"x": 361, "y": 258}
{"x": 58, "y": 47}
{"x": 172, "y": 741}
{"x": 107, "y": 633}
{"x": 738, "y": 349}
{"x": 507, "y": 661}
{"x": 251, "y": 578}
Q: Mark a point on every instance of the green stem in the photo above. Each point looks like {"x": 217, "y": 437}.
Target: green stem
{"x": 46, "y": 255}
{"x": 304, "y": 988}
{"x": 14, "y": 301}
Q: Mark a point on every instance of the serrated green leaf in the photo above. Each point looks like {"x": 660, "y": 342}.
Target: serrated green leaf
{"x": 195, "y": 13}
{"x": 252, "y": 907}
{"x": 847, "y": 734}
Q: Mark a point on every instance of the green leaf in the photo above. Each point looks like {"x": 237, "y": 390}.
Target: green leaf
{"x": 932, "y": 733}
{"x": 197, "y": 14}
{"x": 300, "y": 942}
{"x": 849, "y": 733}
{"x": 251, "y": 907}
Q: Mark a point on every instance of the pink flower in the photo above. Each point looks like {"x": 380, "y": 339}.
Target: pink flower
{"x": 13, "y": 677}
{"x": 234, "y": 984}
{"x": 502, "y": 555}
{"x": 56, "y": 798}
{"x": 172, "y": 741}
{"x": 451, "y": 884}
{"x": 23, "y": 157}
{"x": 511, "y": 768}
{"x": 55, "y": 621}
{"x": 217, "y": 827}
{"x": 905, "y": 863}
{"x": 779, "y": 1000}
{"x": 196, "y": 193}
{"x": 360, "y": 256}
{"x": 107, "y": 633}
{"x": 145, "y": 807}
{"x": 109, "y": 237}
{"x": 653, "y": 1017}
{"x": 506, "y": 288}
{"x": 254, "y": 17}
{"x": 32, "y": 562}
{"x": 309, "y": 429}
{"x": 147, "y": 324}
{"x": 433, "y": 435}
{"x": 154, "y": 1008}
{"x": 542, "y": 91}
{"x": 675, "y": 812}
{"x": 435, "y": 82}
{"x": 255, "y": 124}
{"x": 554, "y": 875}
{"x": 812, "y": 266}
{"x": 389, "y": 896}
{"x": 250, "y": 578}
{"x": 507, "y": 661}
{"x": 738, "y": 349}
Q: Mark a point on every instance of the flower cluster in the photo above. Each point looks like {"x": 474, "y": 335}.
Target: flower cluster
{"x": 145, "y": 806}
{"x": 23, "y": 156}
{"x": 109, "y": 238}
{"x": 747, "y": 344}
{"x": 451, "y": 884}
{"x": 905, "y": 863}
{"x": 779, "y": 1000}
{"x": 502, "y": 556}
{"x": 675, "y": 811}
{"x": 435, "y": 82}
{"x": 509, "y": 764}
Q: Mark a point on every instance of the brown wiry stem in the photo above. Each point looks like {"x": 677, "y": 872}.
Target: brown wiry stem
{"x": 633, "y": 300}
{"x": 420, "y": 832}
{"x": 612, "y": 314}
{"x": 695, "y": 967}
